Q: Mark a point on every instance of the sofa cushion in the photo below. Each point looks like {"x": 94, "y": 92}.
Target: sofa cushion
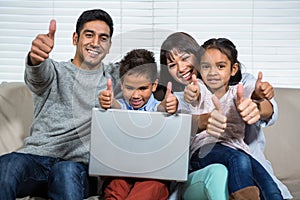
{"x": 282, "y": 140}
{"x": 15, "y": 115}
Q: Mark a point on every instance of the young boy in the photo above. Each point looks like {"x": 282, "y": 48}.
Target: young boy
{"x": 138, "y": 74}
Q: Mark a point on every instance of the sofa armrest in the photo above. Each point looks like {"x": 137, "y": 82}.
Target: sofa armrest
{"x": 16, "y": 113}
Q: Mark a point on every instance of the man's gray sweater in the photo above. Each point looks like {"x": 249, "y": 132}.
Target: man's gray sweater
{"x": 64, "y": 96}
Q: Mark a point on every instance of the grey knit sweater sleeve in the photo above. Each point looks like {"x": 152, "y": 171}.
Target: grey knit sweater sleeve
{"x": 64, "y": 96}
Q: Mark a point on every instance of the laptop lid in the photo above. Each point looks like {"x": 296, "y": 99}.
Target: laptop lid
{"x": 140, "y": 144}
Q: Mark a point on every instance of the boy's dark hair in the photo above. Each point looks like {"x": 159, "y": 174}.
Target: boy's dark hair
{"x": 140, "y": 62}
{"x": 226, "y": 47}
{"x": 92, "y": 15}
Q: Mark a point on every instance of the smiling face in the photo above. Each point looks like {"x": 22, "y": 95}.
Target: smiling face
{"x": 181, "y": 66}
{"x": 216, "y": 70}
{"x": 92, "y": 45}
{"x": 137, "y": 89}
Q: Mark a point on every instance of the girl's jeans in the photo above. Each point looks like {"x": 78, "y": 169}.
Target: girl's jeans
{"x": 32, "y": 175}
{"x": 243, "y": 170}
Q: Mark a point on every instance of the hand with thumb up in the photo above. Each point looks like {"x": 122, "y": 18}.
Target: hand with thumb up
{"x": 217, "y": 121}
{"x": 263, "y": 90}
{"x": 42, "y": 45}
{"x": 192, "y": 92}
{"x": 170, "y": 103}
{"x": 170, "y": 100}
{"x": 246, "y": 107}
{"x": 106, "y": 97}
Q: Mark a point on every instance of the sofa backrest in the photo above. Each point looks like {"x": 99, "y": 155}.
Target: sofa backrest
{"x": 16, "y": 111}
{"x": 283, "y": 138}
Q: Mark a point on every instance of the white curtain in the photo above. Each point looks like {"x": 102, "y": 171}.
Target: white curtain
{"x": 266, "y": 33}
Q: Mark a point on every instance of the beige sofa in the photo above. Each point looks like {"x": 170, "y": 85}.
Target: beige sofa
{"x": 283, "y": 148}
{"x": 283, "y": 140}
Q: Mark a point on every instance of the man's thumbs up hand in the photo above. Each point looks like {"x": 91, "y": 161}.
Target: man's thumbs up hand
{"x": 42, "y": 45}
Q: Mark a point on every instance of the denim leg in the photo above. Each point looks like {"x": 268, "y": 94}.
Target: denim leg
{"x": 24, "y": 174}
{"x": 237, "y": 162}
{"x": 268, "y": 188}
{"x": 68, "y": 181}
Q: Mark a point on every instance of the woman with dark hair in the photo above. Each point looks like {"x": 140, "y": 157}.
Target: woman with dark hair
{"x": 185, "y": 53}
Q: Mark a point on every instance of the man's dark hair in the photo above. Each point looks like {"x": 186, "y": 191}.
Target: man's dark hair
{"x": 92, "y": 15}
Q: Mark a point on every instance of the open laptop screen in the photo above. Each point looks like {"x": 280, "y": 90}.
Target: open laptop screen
{"x": 139, "y": 144}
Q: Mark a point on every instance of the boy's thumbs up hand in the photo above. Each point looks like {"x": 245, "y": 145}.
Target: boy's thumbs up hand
{"x": 109, "y": 85}
{"x": 42, "y": 45}
{"x": 171, "y": 102}
{"x": 106, "y": 96}
{"x": 169, "y": 90}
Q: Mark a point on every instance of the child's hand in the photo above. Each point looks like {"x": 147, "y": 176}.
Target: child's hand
{"x": 217, "y": 121}
{"x": 192, "y": 91}
{"x": 171, "y": 100}
{"x": 247, "y": 108}
{"x": 263, "y": 90}
{"x": 106, "y": 96}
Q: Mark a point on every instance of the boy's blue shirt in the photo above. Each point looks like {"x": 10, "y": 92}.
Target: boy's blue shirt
{"x": 151, "y": 105}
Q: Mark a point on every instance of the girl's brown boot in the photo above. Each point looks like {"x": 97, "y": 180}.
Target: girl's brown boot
{"x": 248, "y": 193}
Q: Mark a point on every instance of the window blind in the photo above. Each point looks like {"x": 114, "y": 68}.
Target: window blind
{"x": 266, "y": 32}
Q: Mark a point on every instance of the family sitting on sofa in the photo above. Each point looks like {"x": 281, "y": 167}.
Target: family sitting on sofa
{"x": 53, "y": 162}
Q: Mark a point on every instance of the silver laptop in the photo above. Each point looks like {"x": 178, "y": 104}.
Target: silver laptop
{"x": 141, "y": 144}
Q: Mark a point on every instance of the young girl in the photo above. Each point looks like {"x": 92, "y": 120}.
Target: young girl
{"x": 220, "y": 73}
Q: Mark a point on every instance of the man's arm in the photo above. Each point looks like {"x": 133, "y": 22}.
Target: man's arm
{"x": 37, "y": 75}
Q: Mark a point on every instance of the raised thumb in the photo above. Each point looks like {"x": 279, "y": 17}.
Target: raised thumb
{"x": 194, "y": 79}
{"x": 52, "y": 29}
{"x": 217, "y": 103}
{"x": 109, "y": 84}
{"x": 169, "y": 89}
{"x": 240, "y": 93}
{"x": 259, "y": 77}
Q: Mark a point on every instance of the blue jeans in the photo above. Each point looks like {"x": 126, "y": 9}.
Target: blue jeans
{"x": 32, "y": 175}
{"x": 243, "y": 170}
